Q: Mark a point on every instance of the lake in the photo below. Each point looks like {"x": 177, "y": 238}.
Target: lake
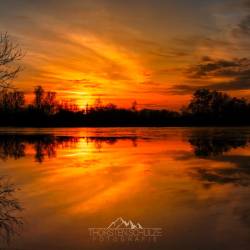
{"x": 191, "y": 183}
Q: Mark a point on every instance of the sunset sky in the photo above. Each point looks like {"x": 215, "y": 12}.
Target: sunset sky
{"x": 154, "y": 51}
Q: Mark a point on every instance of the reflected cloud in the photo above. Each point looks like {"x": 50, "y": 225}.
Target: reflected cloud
{"x": 197, "y": 178}
{"x": 98, "y": 141}
{"x": 243, "y": 214}
{"x": 225, "y": 175}
{"x": 217, "y": 146}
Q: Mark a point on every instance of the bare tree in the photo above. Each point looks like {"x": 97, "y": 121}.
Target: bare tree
{"x": 10, "y": 54}
{"x": 10, "y": 223}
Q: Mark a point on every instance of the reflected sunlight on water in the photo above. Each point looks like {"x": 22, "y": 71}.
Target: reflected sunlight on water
{"x": 193, "y": 183}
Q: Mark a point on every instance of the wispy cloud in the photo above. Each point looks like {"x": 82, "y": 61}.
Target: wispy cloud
{"x": 100, "y": 47}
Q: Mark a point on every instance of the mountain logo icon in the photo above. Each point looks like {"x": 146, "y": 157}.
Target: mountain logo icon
{"x": 121, "y": 223}
{"x": 122, "y": 230}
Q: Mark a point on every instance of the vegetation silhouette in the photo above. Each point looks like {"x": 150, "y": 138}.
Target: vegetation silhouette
{"x": 10, "y": 55}
{"x": 11, "y": 223}
{"x": 216, "y": 108}
{"x": 206, "y": 108}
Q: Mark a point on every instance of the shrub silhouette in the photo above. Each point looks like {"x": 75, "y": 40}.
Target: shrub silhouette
{"x": 206, "y": 108}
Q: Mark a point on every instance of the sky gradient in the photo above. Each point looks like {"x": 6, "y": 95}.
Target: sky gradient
{"x": 156, "y": 52}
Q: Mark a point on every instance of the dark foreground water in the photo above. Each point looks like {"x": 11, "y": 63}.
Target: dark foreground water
{"x": 192, "y": 184}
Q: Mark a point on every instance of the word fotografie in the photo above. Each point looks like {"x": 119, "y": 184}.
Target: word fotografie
{"x": 121, "y": 230}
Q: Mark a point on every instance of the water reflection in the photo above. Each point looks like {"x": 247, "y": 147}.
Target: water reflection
{"x": 99, "y": 141}
{"x": 14, "y": 146}
{"x": 11, "y": 223}
{"x": 218, "y": 146}
{"x": 238, "y": 173}
{"x": 194, "y": 183}
{"x": 207, "y": 143}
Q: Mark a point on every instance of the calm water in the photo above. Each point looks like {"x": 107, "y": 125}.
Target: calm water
{"x": 193, "y": 183}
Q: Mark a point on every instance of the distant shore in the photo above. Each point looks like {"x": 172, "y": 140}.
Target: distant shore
{"x": 206, "y": 109}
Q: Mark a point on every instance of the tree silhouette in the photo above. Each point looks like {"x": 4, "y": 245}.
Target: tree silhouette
{"x": 45, "y": 102}
{"x": 10, "y": 54}
{"x": 39, "y": 97}
{"x": 11, "y": 101}
{"x": 215, "y": 107}
{"x": 206, "y": 108}
{"x": 10, "y": 222}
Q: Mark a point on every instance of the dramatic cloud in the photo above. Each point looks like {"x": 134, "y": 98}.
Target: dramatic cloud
{"x": 238, "y": 68}
{"x": 244, "y": 26}
{"x": 229, "y": 74}
{"x": 84, "y": 49}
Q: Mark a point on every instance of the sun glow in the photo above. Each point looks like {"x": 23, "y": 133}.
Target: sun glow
{"x": 128, "y": 63}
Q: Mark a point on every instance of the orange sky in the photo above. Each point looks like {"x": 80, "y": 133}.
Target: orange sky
{"x": 123, "y": 51}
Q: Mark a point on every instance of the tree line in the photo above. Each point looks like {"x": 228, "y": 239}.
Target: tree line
{"x": 204, "y": 109}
